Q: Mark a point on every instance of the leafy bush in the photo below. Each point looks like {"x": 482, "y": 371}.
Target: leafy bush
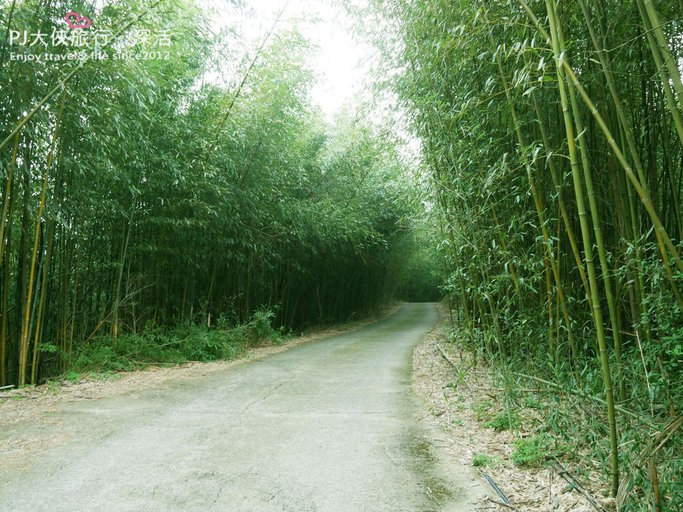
{"x": 186, "y": 342}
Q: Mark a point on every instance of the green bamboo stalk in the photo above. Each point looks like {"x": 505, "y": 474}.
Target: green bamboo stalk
{"x": 23, "y": 344}
{"x": 621, "y": 115}
{"x": 587, "y": 242}
{"x": 659, "y": 63}
{"x": 633, "y": 150}
{"x": 41, "y": 303}
{"x": 6, "y": 220}
{"x": 664, "y": 241}
{"x": 505, "y": 246}
{"x": 8, "y": 193}
{"x": 597, "y": 229}
{"x": 4, "y": 320}
{"x": 557, "y": 183}
{"x": 119, "y": 273}
{"x": 670, "y": 61}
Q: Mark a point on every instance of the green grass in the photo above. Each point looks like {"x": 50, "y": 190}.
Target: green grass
{"x": 504, "y": 421}
{"x": 534, "y": 451}
{"x": 482, "y": 408}
{"x": 482, "y": 460}
{"x": 72, "y": 376}
{"x": 104, "y": 356}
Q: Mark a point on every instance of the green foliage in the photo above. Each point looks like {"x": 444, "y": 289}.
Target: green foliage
{"x": 186, "y": 342}
{"x": 72, "y": 376}
{"x": 532, "y": 451}
{"x": 180, "y": 199}
{"x": 482, "y": 460}
{"x": 526, "y": 179}
{"x": 482, "y": 409}
{"x": 504, "y": 421}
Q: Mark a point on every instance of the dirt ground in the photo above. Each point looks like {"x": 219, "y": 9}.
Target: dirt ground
{"x": 452, "y": 391}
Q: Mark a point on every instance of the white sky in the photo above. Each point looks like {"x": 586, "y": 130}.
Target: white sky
{"x": 340, "y": 61}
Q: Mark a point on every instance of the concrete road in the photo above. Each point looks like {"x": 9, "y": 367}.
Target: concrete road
{"x": 330, "y": 425}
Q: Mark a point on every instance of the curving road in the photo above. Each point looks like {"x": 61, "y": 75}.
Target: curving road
{"x": 330, "y": 425}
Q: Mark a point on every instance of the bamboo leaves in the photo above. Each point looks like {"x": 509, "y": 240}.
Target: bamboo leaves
{"x": 166, "y": 199}
{"x": 543, "y": 131}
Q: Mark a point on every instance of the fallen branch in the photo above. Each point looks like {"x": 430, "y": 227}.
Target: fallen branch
{"x": 7, "y": 387}
{"x": 591, "y": 397}
{"x": 505, "y": 500}
{"x": 576, "y": 485}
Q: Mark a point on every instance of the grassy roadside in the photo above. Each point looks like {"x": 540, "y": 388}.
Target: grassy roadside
{"x": 106, "y": 367}
{"x": 156, "y": 346}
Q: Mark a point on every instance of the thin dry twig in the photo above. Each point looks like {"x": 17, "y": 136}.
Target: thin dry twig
{"x": 562, "y": 471}
{"x": 501, "y": 504}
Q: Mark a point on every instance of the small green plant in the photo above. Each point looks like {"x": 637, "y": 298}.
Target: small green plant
{"x": 260, "y": 329}
{"x": 483, "y": 408}
{"x": 529, "y": 452}
{"x": 72, "y": 376}
{"x": 504, "y": 421}
{"x": 533, "y": 452}
{"x": 482, "y": 460}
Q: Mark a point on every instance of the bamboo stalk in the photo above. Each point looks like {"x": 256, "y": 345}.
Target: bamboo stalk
{"x": 670, "y": 62}
{"x": 587, "y": 242}
{"x": 23, "y": 344}
{"x": 8, "y": 194}
{"x": 560, "y": 200}
{"x": 41, "y": 303}
{"x": 665, "y": 242}
{"x": 597, "y": 229}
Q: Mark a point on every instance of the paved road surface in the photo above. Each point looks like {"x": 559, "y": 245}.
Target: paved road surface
{"x": 328, "y": 426}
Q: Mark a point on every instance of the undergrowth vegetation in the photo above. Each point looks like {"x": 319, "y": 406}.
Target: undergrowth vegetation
{"x": 163, "y": 345}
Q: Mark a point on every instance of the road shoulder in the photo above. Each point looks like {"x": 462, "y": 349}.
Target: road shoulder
{"x": 453, "y": 395}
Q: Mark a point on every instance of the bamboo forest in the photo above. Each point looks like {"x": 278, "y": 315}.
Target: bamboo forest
{"x": 179, "y": 195}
